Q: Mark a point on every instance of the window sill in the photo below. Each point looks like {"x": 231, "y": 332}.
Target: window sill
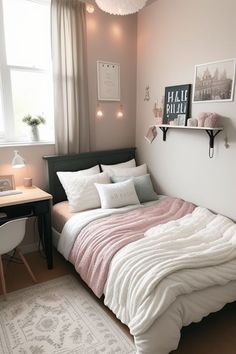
{"x": 30, "y": 143}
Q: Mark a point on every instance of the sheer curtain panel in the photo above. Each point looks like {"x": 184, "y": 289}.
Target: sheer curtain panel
{"x": 69, "y": 57}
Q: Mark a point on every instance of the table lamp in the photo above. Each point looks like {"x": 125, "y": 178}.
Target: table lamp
{"x": 18, "y": 162}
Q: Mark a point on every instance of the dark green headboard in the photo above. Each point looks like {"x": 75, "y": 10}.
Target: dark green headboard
{"x": 80, "y": 162}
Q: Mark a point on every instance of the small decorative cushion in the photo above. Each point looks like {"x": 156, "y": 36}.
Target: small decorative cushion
{"x": 143, "y": 186}
{"x": 108, "y": 168}
{"x": 116, "y": 195}
{"x": 130, "y": 171}
{"x": 81, "y": 191}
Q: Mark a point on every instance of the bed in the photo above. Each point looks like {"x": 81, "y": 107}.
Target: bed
{"x": 178, "y": 265}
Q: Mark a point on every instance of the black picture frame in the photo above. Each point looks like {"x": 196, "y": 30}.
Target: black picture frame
{"x": 177, "y": 102}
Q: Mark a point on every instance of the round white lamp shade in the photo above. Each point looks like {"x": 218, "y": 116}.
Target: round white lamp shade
{"x": 121, "y": 7}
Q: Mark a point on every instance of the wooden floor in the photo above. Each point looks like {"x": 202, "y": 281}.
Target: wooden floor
{"x": 214, "y": 335}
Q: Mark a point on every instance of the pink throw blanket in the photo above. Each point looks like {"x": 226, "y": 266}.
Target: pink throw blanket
{"x": 98, "y": 242}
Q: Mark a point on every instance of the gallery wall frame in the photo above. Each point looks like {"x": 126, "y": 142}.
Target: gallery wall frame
{"x": 108, "y": 81}
{"x": 177, "y": 104}
{"x": 214, "y": 81}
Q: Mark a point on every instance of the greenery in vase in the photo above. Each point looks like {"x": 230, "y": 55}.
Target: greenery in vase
{"x": 33, "y": 121}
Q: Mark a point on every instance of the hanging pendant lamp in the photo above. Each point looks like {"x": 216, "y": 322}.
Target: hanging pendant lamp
{"x": 121, "y": 7}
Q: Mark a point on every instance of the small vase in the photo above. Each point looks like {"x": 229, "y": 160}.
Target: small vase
{"x": 34, "y": 133}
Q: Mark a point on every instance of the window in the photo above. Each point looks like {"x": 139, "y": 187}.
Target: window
{"x": 25, "y": 68}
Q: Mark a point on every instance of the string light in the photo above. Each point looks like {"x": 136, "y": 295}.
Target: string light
{"x": 99, "y": 112}
{"x": 120, "y": 113}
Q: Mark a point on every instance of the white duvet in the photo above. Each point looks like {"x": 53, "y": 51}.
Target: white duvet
{"x": 182, "y": 257}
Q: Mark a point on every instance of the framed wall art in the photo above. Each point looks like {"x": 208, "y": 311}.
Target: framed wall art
{"x": 177, "y": 104}
{"x": 214, "y": 82}
{"x": 7, "y": 183}
{"x": 108, "y": 81}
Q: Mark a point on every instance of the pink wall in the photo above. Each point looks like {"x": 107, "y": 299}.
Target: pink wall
{"x": 113, "y": 38}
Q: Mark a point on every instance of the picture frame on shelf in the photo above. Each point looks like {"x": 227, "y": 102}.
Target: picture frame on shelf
{"x": 7, "y": 183}
{"x": 176, "y": 103}
{"x": 108, "y": 81}
{"x": 214, "y": 81}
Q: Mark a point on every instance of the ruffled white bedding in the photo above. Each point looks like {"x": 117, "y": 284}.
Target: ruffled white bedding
{"x": 184, "y": 265}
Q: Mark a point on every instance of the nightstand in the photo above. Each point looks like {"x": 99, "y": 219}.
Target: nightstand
{"x": 33, "y": 201}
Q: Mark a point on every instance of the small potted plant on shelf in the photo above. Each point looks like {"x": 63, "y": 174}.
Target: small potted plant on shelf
{"x": 33, "y": 122}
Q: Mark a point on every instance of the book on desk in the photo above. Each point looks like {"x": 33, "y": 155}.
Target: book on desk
{"x": 10, "y": 192}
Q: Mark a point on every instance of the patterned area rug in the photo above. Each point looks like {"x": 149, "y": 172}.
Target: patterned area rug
{"x": 58, "y": 317}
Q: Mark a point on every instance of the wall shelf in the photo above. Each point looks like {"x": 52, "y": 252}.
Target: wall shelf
{"x": 212, "y": 132}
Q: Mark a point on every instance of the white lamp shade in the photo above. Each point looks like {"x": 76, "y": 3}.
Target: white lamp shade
{"x": 17, "y": 161}
{"x": 121, "y": 7}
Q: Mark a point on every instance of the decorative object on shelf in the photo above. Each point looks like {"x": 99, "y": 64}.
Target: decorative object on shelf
{"x": 201, "y": 119}
{"x": 151, "y": 134}
{"x": 99, "y": 112}
{"x": 158, "y": 110}
{"x": 192, "y": 122}
{"x": 208, "y": 119}
{"x": 17, "y": 161}
{"x": 120, "y": 113}
{"x": 214, "y": 81}
{"x": 181, "y": 120}
{"x": 159, "y": 121}
{"x": 212, "y": 120}
{"x": 177, "y": 99}
{"x": 121, "y": 7}
{"x": 7, "y": 183}
{"x": 108, "y": 81}
{"x": 147, "y": 93}
{"x": 34, "y": 122}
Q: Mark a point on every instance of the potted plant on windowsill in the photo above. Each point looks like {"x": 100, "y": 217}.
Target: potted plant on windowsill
{"x": 34, "y": 122}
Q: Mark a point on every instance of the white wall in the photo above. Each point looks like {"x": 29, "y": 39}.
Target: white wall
{"x": 173, "y": 36}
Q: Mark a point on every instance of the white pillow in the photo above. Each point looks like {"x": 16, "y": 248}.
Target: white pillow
{"x": 116, "y": 195}
{"x": 108, "y": 168}
{"x": 130, "y": 172}
{"x": 81, "y": 191}
{"x": 65, "y": 177}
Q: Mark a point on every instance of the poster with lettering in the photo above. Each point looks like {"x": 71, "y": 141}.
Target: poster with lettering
{"x": 176, "y": 104}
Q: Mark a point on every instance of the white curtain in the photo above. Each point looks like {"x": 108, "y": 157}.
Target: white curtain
{"x": 70, "y": 76}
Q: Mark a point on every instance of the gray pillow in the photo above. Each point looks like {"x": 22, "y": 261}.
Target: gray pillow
{"x": 143, "y": 186}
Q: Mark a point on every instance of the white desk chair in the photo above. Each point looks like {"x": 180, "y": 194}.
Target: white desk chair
{"x": 11, "y": 235}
